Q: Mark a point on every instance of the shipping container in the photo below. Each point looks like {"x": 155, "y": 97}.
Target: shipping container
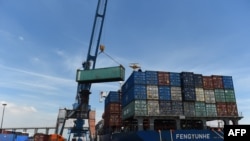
{"x": 113, "y": 96}
{"x": 211, "y": 110}
{"x": 151, "y": 77}
{"x": 164, "y": 92}
{"x": 165, "y": 107}
{"x": 113, "y": 108}
{"x": 232, "y": 109}
{"x": 177, "y": 108}
{"x": 175, "y": 79}
{"x": 7, "y": 137}
{"x": 227, "y": 82}
{"x": 209, "y": 96}
{"x": 56, "y": 137}
{"x": 198, "y": 80}
{"x": 112, "y": 120}
{"x": 92, "y": 114}
{"x": 163, "y": 78}
{"x": 229, "y": 95}
{"x": 41, "y": 137}
{"x": 189, "y": 109}
{"x": 136, "y": 78}
{"x": 153, "y": 107}
{"x": 176, "y": 93}
{"x": 187, "y": 79}
{"x": 217, "y": 82}
{"x": 152, "y": 92}
{"x": 188, "y": 93}
{"x": 207, "y": 82}
{"x": 221, "y": 109}
{"x": 136, "y": 92}
{"x": 219, "y": 95}
{"x": 199, "y": 92}
{"x": 200, "y": 109}
{"x": 135, "y": 108}
{"x": 101, "y": 75}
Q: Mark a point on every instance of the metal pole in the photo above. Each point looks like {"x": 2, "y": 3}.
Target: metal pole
{"x": 2, "y": 117}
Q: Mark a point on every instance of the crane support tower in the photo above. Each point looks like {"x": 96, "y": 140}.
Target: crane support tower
{"x": 81, "y": 107}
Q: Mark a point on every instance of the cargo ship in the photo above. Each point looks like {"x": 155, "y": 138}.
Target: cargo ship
{"x": 169, "y": 106}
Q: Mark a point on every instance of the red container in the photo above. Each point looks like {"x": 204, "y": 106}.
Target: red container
{"x": 232, "y": 109}
{"x": 112, "y": 120}
{"x": 221, "y": 109}
{"x": 217, "y": 82}
{"x": 113, "y": 108}
{"x": 163, "y": 78}
{"x": 208, "y": 82}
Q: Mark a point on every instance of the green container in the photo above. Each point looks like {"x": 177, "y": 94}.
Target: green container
{"x": 135, "y": 108}
{"x": 110, "y": 74}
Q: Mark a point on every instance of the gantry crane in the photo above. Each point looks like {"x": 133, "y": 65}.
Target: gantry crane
{"x": 81, "y": 107}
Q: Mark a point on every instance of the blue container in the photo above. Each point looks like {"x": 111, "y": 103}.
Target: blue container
{"x": 22, "y": 138}
{"x": 164, "y": 93}
{"x": 151, "y": 77}
{"x": 7, "y": 137}
{"x": 175, "y": 79}
{"x": 187, "y": 79}
{"x": 227, "y": 82}
{"x": 198, "y": 80}
{"x": 113, "y": 97}
{"x": 188, "y": 94}
{"x": 136, "y": 92}
{"x": 134, "y": 79}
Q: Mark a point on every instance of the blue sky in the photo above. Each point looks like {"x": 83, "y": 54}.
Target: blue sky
{"x": 43, "y": 42}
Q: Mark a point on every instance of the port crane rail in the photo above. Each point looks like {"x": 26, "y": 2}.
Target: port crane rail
{"x": 81, "y": 108}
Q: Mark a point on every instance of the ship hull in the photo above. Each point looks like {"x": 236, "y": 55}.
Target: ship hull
{"x": 166, "y": 135}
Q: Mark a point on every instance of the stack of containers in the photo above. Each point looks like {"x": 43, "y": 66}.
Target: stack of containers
{"x": 230, "y": 96}
{"x": 188, "y": 93}
{"x": 176, "y": 95}
{"x": 152, "y": 92}
{"x": 209, "y": 96}
{"x": 164, "y": 93}
{"x": 112, "y": 108}
{"x": 134, "y": 95}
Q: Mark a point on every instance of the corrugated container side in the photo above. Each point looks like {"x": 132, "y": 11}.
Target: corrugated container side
{"x": 7, "y": 137}
{"x": 232, "y": 109}
{"x": 209, "y": 96}
{"x": 198, "y": 80}
{"x": 187, "y": 79}
{"x": 217, "y": 82}
{"x": 163, "y": 78}
{"x": 164, "y": 92}
{"x": 137, "y": 92}
{"x": 228, "y": 82}
{"x": 219, "y": 95}
{"x": 199, "y": 92}
{"x": 112, "y": 120}
{"x": 134, "y": 79}
{"x": 230, "y": 95}
{"x": 211, "y": 110}
{"x": 207, "y": 82}
{"x": 175, "y": 79}
{"x": 152, "y": 92}
{"x": 188, "y": 94}
{"x": 113, "y": 96}
{"x": 165, "y": 107}
{"x": 176, "y": 93}
{"x": 113, "y": 108}
{"x": 135, "y": 108}
{"x": 153, "y": 107}
{"x": 151, "y": 77}
{"x": 200, "y": 109}
{"x": 189, "y": 109}
{"x": 221, "y": 109}
{"x": 177, "y": 107}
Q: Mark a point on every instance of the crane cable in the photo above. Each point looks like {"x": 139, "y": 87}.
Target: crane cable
{"x": 102, "y": 48}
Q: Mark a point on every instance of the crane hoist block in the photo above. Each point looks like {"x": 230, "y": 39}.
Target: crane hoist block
{"x": 109, "y": 74}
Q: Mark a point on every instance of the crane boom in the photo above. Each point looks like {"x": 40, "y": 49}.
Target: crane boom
{"x": 81, "y": 107}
